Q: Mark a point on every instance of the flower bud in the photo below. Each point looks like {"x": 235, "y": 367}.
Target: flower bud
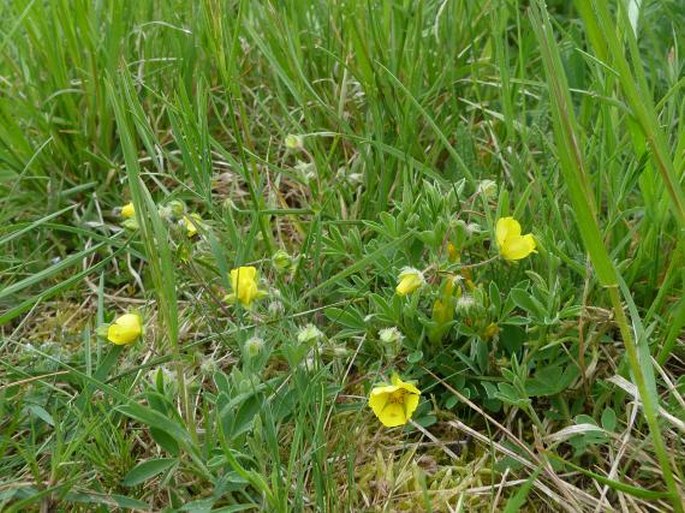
{"x": 488, "y": 188}
{"x": 275, "y": 308}
{"x": 281, "y": 261}
{"x": 294, "y": 142}
{"x": 125, "y": 329}
{"x": 130, "y": 224}
{"x": 191, "y": 223}
{"x": 254, "y": 346}
{"x": 309, "y": 333}
{"x": 442, "y": 313}
{"x": 128, "y": 211}
{"x": 409, "y": 280}
{"x": 209, "y": 366}
{"x": 392, "y": 340}
{"x": 390, "y": 335}
{"x": 177, "y": 208}
{"x": 452, "y": 253}
{"x": 465, "y": 304}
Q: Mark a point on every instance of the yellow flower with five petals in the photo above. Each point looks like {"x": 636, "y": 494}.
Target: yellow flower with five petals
{"x": 510, "y": 243}
{"x": 394, "y": 404}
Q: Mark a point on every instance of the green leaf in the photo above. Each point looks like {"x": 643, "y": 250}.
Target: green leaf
{"x": 524, "y": 300}
{"x": 349, "y": 317}
{"x": 516, "y": 502}
{"x": 609, "y": 419}
{"x": 107, "y": 500}
{"x": 42, "y": 414}
{"x": 165, "y": 441}
{"x": 415, "y": 357}
{"x": 507, "y": 393}
{"x": 511, "y": 338}
{"x": 147, "y": 470}
{"x": 155, "y": 419}
{"x": 614, "y": 485}
{"x": 551, "y": 380}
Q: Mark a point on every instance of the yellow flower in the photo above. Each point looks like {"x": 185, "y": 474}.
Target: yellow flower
{"x": 192, "y": 222}
{"x": 409, "y": 280}
{"x": 128, "y": 211}
{"x": 511, "y": 244}
{"x": 125, "y": 329}
{"x": 244, "y": 285}
{"x": 394, "y": 404}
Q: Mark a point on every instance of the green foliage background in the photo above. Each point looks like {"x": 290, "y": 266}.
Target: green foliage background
{"x": 406, "y": 110}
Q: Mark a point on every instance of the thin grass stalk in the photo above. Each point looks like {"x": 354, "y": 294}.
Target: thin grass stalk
{"x": 639, "y": 99}
{"x": 154, "y": 235}
{"x": 573, "y": 167}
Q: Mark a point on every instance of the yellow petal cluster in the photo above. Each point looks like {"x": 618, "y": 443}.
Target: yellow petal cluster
{"x": 511, "y": 244}
{"x": 244, "y": 285}
{"x": 128, "y": 211}
{"x": 409, "y": 280}
{"x": 394, "y": 404}
{"x": 125, "y": 329}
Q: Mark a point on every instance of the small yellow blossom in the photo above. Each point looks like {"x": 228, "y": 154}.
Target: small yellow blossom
{"x": 128, "y": 211}
{"x": 125, "y": 329}
{"x": 511, "y": 244}
{"x": 244, "y": 285}
{"x": 409, "y": 280}
{"x": 394, "y": 404}
{"x": 191, "y": 223}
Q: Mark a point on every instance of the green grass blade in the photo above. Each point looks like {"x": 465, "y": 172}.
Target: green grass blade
{"x": 573, "y": 167}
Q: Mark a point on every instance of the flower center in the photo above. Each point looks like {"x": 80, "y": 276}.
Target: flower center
{"x": 397, "y": 397}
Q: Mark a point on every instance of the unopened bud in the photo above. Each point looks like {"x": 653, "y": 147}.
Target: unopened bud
{"x": 390, "y": 335}
{"x": 488, "y": 188}
{"x": 464, "y": 304}
{"x": 294, "y": 142}
{"x": 281, "y": 261}
{"x": 308, "y": 333}
{"x": 254, "y": 346}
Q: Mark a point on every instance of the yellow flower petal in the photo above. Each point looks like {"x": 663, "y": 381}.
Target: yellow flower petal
{"x": 128, "y": 211}
{"x": 191, "y": 223}
{"x": 410, "y": 405}
{"x": 519, "y": 247}
{"x": 409, "y": 280}
{"x": 377, "y": 401}
{"x": 507, "y": 227}
{"x": 510, "y": 243}
{"x": 244, "y": 285}
{"x": 392, "y": 415}
{"x": 384, "y": 390}
{"x": 125, "y": 329}
{"x": 396, "y": 381}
